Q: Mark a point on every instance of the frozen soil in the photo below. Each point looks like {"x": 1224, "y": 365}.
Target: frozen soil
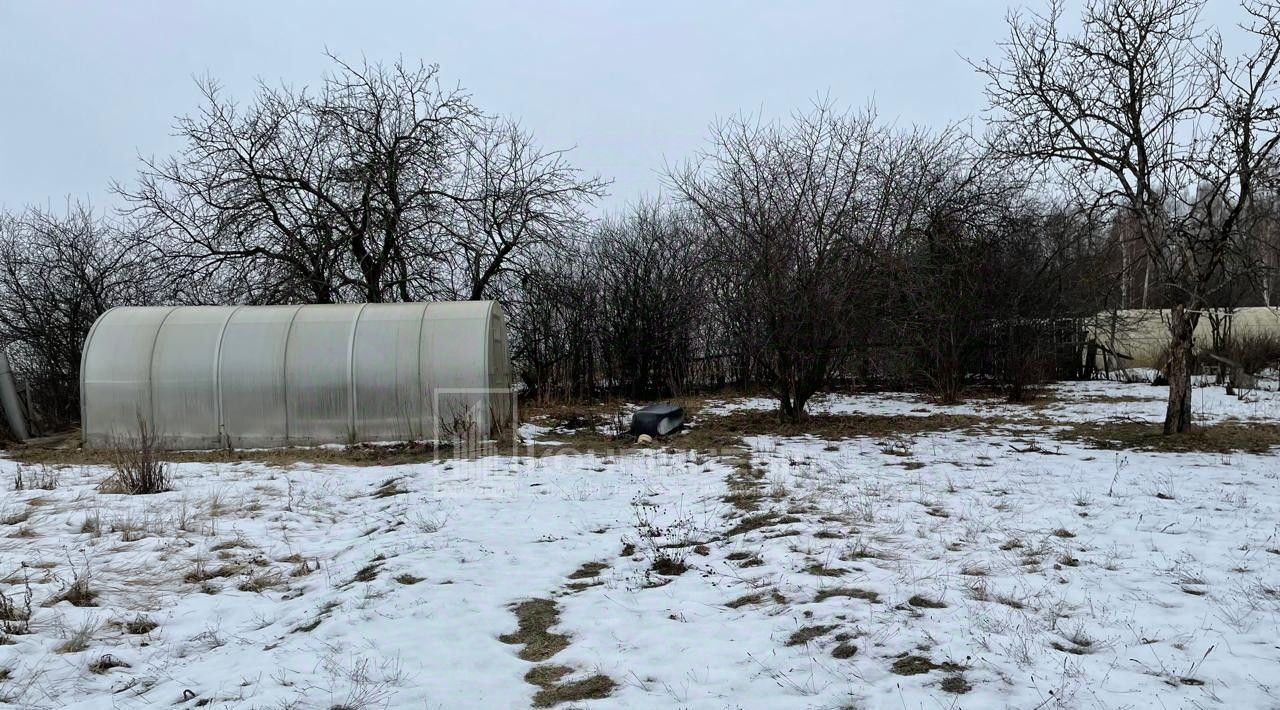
{"x": 1001, "y": 568}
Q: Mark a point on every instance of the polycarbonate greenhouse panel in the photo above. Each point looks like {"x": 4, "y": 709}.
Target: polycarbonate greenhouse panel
{"x": 184, "y": 377}
{"x": 317, "y": 369}
{"x": 265, "y": 376}
{"x": 251, "y": 382}
{"x": 388, "y": 373}
{"x": 119, "y": 367}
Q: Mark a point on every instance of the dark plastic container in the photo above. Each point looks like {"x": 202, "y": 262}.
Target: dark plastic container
{"x": 657, "y": 420}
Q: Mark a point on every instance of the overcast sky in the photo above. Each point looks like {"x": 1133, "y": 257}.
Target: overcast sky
{"x": 88, "y": 86}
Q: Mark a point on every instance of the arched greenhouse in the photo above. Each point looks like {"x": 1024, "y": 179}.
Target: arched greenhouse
{"x": 266, "y": 376}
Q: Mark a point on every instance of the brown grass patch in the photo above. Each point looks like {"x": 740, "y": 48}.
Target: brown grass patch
{"x": 589, "y": 570}
{"x": 79, "y": 593}
{"x": 922, "y": 602}
{"x": 851, "y": 592}
{"x": 844, "y": 650}
{"x": 669, "y": 566}
{"x": 594, "y": 688}
{"x": 368, "y": 573}
{"x": 546, "y": 674}
{"x": 534, "y": 618}
{"x": 820, "y": 570}
{"x": 388, "y": 488}
{"x": 710, "y": 431}
{"x": 745, "y": 600}
{"x": 203, "y": 573}
{"x": 805, "y": 634}
{"x": 260, "y": 583}
{"x": 757, "y": 521}
{"x": 912, "y": 665}
{"x": 1224, "y": 438}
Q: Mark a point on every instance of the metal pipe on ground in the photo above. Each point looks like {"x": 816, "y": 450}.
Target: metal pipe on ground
{"x": 9, "y": 400}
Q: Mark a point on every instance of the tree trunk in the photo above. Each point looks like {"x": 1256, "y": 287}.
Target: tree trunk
{"x": 786, "y": 411}
{"x": 1182, "y": 327}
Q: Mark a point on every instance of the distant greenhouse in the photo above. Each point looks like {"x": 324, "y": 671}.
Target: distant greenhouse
{"x": 1140, "y": 338}
{"x": 264, "y": 376}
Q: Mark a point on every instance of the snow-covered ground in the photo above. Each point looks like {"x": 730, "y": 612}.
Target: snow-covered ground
{"x": 939, "y": 570}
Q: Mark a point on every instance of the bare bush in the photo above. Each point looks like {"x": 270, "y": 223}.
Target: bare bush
{"x": 1255, "y": 352}
{"x": 137, "y": 466}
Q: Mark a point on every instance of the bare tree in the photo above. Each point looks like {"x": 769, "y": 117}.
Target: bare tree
{"x": 328, "y": 197}
{"x": 554, "y": 339}
{"x": 518, "y": 203}
{"x": 647, "y": 265}
{"x": 795, "y": 212}
{"x": 1140, "y": 111}
{"x": 58, "y": 273}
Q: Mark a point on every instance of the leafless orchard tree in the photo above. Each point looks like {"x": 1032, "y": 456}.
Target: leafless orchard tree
{"x": 58, "y": 273}
{"x": 382, "y": 185}
{"x": 1139, "y": 110}
{"x": 796, "y": 213}
{"x": 322, "y": 198}
{"x": 518, "y": 203}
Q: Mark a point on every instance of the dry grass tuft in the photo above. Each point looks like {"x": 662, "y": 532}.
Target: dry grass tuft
{"x": 202, "y": 572}
{"x": 79, "y": 638}
{"x": 38, "y": 477}
{"x": 79, "y": 593}
{"x": 259, "y": 583}
{"x": 106, "y": 662}
{"x": 546, "y": 674}
{"x": 669, "y": 565}
{"x": 15, "y": 618}
{"x": 140, "y": 625}
{"x": 745, "y": 600}
{"x": 758, "y": 521}
{"x": 368, "y": 573}
{"x": 820, "y": 570}
{"x": 388, "y": 488}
